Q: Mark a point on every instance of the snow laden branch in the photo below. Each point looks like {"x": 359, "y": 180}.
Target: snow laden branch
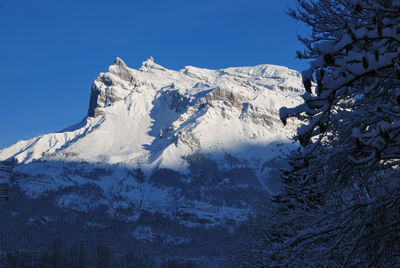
{"x": 340, "y": 203}
{"x": 355, "y": 59}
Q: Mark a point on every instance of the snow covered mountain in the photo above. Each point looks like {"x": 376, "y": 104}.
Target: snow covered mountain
{"x": 152, "y": 117}
{"x": 196, "y": 146}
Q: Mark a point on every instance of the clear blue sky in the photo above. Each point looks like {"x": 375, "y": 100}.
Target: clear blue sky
{"x": 52, "y": 50}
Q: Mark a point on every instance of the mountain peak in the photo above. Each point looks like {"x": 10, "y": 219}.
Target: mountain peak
{"x": 119, "y": 62}
{"x": 149, "y": 64}
{"x": 149, "y": 61}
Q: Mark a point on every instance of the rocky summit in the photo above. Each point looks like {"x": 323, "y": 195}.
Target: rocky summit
{"x": 165, "y": 162}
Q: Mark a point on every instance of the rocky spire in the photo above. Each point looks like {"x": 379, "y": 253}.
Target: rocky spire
{"x": 119, "y": 62}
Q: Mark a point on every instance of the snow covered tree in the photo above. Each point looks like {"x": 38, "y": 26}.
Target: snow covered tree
{"x": 341, "y": 203}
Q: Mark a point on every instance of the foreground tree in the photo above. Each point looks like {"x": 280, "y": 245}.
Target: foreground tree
{"x": 341, "y": 203}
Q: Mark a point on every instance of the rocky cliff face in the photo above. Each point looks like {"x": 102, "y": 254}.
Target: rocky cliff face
{"x": 196, "y": 148}
{"x": 110, "y": 87}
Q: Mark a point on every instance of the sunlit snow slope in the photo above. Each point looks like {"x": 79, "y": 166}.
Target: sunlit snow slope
{"x": 154, "y": 117}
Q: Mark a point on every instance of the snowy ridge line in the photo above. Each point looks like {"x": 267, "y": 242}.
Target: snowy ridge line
{"x": 153, "y": 117}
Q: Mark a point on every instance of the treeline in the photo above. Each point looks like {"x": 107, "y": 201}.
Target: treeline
{"x": 82, "y": 256}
